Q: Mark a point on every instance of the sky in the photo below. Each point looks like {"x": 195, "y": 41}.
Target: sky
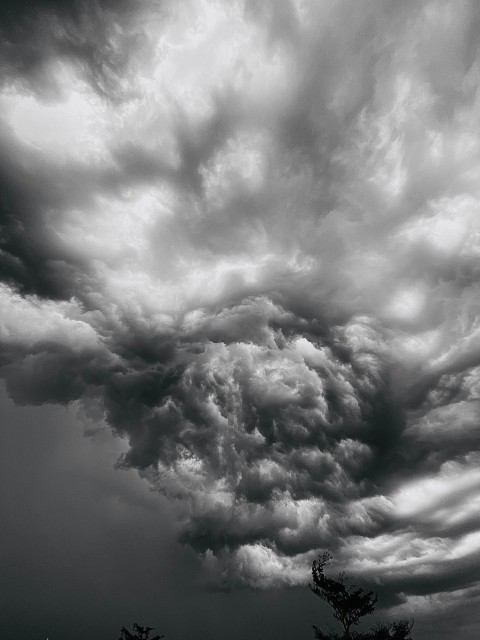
{"x": 239, "y": 294}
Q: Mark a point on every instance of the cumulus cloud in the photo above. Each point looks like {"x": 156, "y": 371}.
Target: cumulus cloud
{"x": 246, "y": 236}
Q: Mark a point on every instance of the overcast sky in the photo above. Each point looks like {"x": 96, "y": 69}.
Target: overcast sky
{"x": 239, "y": 313}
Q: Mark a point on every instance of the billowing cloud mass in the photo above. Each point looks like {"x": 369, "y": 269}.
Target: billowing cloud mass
{"x": 246, "y": 236}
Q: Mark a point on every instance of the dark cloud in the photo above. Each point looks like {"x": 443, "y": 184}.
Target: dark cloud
{"x": 35, "y": 33}
{"x": 245, "y": 237}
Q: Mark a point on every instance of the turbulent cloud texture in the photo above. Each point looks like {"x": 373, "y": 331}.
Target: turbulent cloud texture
{"x": 247, "y": 236}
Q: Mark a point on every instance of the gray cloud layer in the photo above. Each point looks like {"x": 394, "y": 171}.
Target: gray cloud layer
{"x": 246, "y": 237}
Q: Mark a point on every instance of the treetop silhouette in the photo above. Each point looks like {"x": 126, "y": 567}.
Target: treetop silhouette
{"x": 138, "y": 633}
{"x": 351, "y": 603}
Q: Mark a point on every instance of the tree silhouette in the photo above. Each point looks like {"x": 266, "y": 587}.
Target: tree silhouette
{"x": 398, "y": 630}
{"x": 138, "y": 633}
{"x": 351, "y": 603}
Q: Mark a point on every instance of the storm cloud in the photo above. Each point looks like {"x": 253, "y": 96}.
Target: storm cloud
{"x": 246, "y": 236}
